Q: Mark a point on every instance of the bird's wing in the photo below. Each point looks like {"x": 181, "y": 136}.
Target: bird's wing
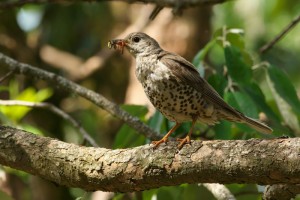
{"x": 187, "y": 73}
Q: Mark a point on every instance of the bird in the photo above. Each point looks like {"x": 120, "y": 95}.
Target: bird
{"x": 174, "y": 87}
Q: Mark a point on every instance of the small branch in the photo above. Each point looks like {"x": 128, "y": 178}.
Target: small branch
{"x": 257, "y": 161}
{"x": 270, "y": 44}
{"x": 6, "y": 76}
{"x": 60, "y": 82}
{"x": 281, "y": 192}
{"x": 219, "y": 191}
{"x": 55, "y": 110}
{"x": 155, "y": 12}
{"x": 164, "y": 3}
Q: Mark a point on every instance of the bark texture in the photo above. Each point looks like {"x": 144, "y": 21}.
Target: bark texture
{"x": 264, "y": 162}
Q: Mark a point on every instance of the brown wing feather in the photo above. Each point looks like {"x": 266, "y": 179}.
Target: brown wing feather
{"x": 187, "y": 73}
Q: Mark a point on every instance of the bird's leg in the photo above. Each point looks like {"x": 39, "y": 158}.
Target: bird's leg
{"x": 187, "y": 139}
{"x": 165, "y": 138}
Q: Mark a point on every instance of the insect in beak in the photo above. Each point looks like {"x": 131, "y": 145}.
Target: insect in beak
{"x": 118, "y": 44}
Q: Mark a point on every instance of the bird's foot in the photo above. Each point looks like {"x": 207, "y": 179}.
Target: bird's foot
{"x": 157, "y": 143}
{"x": 186, "y": 140}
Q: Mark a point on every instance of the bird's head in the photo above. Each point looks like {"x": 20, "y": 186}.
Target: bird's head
{"x": 138, "y": 44}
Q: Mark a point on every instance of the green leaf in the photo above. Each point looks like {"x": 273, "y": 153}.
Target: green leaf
{"x": 284, "y": 87}
{"x": 119, "y": 196}
{"x": 230, "y": 36}
{"x": 245, "y": 191}
{"x": 156, "y": 121}
{"x": 3, "y": 88}
{"x": 5, "y": 196}
{"x": 126, "y": 136}
{"x": 173, "y": 192}
{"x": 193, "y": 192}
{"x": 236, "y": 38}
{"x": 286, "y": 98}
{"x": 244, "y": 104}
{"x": 238, "y": 69}
{"x": 4, "y": 120}
{"x": 218, "y": 82}
{"x": 198, "y": 59}
{"x": 43, "y": 94}
{"x": 136, "y": 110}
{"x": 223, "y": 131}
{"x": 203, "y": 52}
{"x": 13, "y": 89}
{"x": 16, "y": 113}
{"x": 149, "y": 194}
{"x": 258, "y": 97}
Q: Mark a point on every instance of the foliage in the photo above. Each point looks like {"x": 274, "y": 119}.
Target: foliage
{"x": 261, "y": 86}
{"x": 14, "y": 114}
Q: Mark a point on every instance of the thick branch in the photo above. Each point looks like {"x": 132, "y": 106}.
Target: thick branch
{"x": 162, "y": 3}
{"x": 125, "y": 170}
{"x": 72, "y": 87}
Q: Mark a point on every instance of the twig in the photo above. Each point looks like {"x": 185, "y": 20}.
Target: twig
{"x": 99, "y": 100}
{"x": 270, "y": 44}
{"x": 6, "y": 76}
{"x": 219, "y": 191}
{"x": 155, "y": 12}
{"x": 55, "y": 110}
{"x": 164, "y": 3}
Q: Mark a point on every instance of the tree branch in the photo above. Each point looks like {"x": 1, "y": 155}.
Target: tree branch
{"x": 164, "y": 3}
{"x": 55, "y": 110}
{"x": 289, "y": 27}
{"x": 125, "y": 170}
{"x": 72, "y": 87}
{"x": 219, "y": 191}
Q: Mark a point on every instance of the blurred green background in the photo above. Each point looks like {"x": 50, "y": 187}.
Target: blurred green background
{"x": 222, "y": 41}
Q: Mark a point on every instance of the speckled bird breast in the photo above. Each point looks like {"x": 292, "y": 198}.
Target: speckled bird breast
{"x": 177, "y": 101}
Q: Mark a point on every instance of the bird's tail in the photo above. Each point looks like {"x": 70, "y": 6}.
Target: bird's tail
{"x": 257, "y": 125}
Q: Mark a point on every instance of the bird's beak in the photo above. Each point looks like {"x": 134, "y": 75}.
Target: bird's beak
{"x": 118, "y": 44}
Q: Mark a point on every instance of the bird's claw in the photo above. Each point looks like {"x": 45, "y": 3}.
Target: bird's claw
{"x": 186, "y": 140}
{"x": 158, "y": 142}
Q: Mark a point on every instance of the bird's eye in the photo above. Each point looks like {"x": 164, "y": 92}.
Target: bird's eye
{"x": 136, "y": 39}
